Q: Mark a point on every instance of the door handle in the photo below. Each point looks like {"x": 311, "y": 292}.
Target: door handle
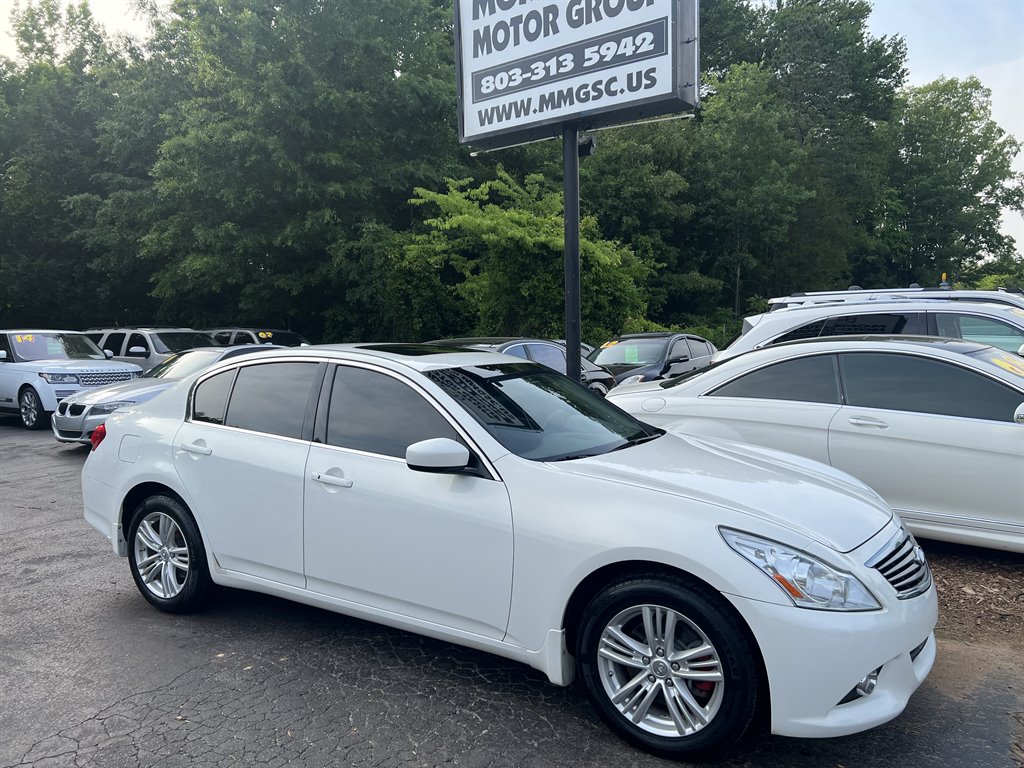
{"x": 202, "y": 450}
{"x": 341, "y": 482}
{"x": 860, "y": 421}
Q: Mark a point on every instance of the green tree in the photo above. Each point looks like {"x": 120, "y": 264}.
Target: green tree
{"x": 504, "y": 242}
{"x": 953, "y": 174}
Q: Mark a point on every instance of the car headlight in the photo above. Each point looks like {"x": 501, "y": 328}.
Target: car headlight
{"x": 110, "y": 407}
{"x": 631, "y": 380}
{"x": 809, "y": 582}
{"x": 59, "y": 378}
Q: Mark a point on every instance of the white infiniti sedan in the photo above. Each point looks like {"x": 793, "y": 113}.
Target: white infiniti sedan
{"x": 492, "y": 502}
{"x": 936, "y": 426}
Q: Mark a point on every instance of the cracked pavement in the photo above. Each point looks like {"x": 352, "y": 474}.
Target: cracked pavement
{"x": 91, "y": 675}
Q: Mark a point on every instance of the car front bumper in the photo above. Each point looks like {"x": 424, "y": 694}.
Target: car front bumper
{"x": 821, "y": 657}
{"x": 77, "y": 428}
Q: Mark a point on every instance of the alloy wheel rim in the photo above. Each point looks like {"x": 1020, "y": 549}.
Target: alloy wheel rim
{"x": 660, "y": 671}
{"x": 161, "y": 555}
{"x": 29, "y": 409}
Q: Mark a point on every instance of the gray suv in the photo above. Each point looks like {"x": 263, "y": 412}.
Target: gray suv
{"x": 148, "y": 345}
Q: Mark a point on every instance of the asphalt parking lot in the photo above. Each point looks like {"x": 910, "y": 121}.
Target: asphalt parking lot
{"x": 91, "y": 675}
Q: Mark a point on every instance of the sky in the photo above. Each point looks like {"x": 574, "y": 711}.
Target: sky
{"x": 951, "y": 38}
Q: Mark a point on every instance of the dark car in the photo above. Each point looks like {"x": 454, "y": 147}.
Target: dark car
{"x": 543, "y": 351}
{"x": 653, "y": 355}
{"x": 234, "y": 336}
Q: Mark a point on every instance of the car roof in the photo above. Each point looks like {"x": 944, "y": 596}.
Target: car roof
{"x": 959, "y": 346}
{"x": 491, "y": 341}
{"x": 38, "y": 330}
{"x": 143, "y": 328}
{"x": 893, "y": 305}
{"x": 419, "y": 357}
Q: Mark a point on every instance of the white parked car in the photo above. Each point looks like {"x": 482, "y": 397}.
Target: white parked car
{"x": 40, "y": 368}
{"x": 999, "y": 325}
{"x": 492, "y": 502}
{"x": 1012, "y": 298}
{"x": 77, "y": 416}
{"x": 936, "y": 426}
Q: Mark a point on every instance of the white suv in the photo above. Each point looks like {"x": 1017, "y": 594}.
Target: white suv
{"x": 147, "y": 345}
{"x": 999, "y": 325}
{"x": 1013, "y": 298}
{"x": 38, "y": 369}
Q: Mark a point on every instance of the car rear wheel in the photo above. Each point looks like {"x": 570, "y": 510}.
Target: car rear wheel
{"x": 166, "y": 556}
{"x": 667, "y": 664}
{"x": 33, "y": 416}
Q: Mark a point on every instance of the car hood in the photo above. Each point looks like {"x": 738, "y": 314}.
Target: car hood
{"x": 805, "y": 496}
{"x": 138, "y": 390}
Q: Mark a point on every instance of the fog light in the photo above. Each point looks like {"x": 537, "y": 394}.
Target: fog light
{"x": 867, "y": 685}
{"x": 863, "y": 688}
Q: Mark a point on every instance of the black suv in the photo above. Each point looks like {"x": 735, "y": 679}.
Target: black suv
{"x": 549, "y": 353}
{"x": 653, "y": 355}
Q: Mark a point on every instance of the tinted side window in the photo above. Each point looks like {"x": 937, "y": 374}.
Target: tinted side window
{"x": 905, "y": 383}
{"x": 697, "y": 348}
{"x": 222, "y": 338}
{"x": 244, "y": 337}
{"x": 114, "y": 342}
{"x": 679, "y": 351}
{"x": 376, "y": 413}
{"x": 550, "y": 355}
{"x": 981, "y": 329}
{"x": 271, "y": 398}
{"x": 885, "y": 323}
{"x": 807, "y": 379}
{"x": 137, "y": 340}
{"x": 803, "y": 332}
{"x": 211, "y": 398}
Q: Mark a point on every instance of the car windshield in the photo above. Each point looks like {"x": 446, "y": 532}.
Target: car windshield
{"x": 284, "y": 338}
{"x": 630, "y": 352}
{"x": 1004, "y": 360}
{"x": 183, "y": 364}
{"x": 54, "y": 346}
{"x": 538, "y": 414}
{"x": 179, "y": 341}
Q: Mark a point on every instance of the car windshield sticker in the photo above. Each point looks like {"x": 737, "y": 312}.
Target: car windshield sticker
{"x": 632, "y": 353}
{"x": 54, "y": 346}
{"x": 265, "y": 334}
{"x": 25, "y": 339}
{"x": 609, "y": 344}
{"x": 1008, "y": 362}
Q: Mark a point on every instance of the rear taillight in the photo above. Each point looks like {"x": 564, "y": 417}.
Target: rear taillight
{"x": 97, "y": 436}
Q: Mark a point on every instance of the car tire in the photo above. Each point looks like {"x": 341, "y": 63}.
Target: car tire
{"x": 166, "y": 556}
{"x": 30, "y": 408}
{"x": 636, "y": 656}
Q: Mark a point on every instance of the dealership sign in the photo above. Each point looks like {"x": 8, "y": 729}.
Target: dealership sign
{"x": 525, "y": 67}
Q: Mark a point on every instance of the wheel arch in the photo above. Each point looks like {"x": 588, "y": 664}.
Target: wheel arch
{"x": 136, "y": 495}
{"x": 607, "y": 575}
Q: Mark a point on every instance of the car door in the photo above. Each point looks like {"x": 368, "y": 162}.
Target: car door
{"x": 937, "y": 440}
{"x": 433, "y": 547}
{"x": 786, "y": 405}
{"x": 241, "y": 456}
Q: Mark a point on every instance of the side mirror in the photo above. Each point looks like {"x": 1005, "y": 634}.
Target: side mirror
{"x": 677, "y": 369}
{"x": 108, "y": 353}
{"x": 439, "y": 454}
{"x": 3, "y": 354}
{"x": 1020, "y": 350}
{"x": 1018, "y": 415}
{"x": 137, "y": 352}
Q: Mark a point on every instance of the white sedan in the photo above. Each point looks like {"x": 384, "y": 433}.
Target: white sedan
{"x": 489, "y": 501}
{"x": 936, "y": 426}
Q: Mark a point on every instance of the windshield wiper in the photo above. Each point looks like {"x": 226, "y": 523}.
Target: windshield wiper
{"x": 638, "y": 441}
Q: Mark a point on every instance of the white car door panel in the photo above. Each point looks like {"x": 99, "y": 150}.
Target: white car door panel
{"x": 800, "y": 428}
{"x": 247, "y": 493}
{"x": 435, "y": 547}
{"x": 929, "y": 467}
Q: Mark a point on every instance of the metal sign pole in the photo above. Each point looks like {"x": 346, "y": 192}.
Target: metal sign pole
{"x": 571, "y": 182}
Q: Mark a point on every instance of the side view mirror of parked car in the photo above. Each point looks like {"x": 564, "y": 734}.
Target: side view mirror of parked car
{"x": 3, "y": 354}
{"x": 440, "y": 454}
{"x": 108, "y": 353}
{"x": 1018, "y": 415}
{"x": 1020, "y": 350}
{"x": 136, "y": 352}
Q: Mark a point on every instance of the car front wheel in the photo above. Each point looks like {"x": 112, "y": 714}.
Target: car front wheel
{"x": 33, "y": 416}
{"x": 667, "y": 664}
{"x": 166, "y": 556}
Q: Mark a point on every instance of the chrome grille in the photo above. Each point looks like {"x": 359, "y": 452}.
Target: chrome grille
{"x": 902, "y": 564}
{"x": 99, "y": 379}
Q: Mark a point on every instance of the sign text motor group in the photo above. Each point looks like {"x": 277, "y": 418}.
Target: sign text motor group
{"x": 539, "y": 22}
